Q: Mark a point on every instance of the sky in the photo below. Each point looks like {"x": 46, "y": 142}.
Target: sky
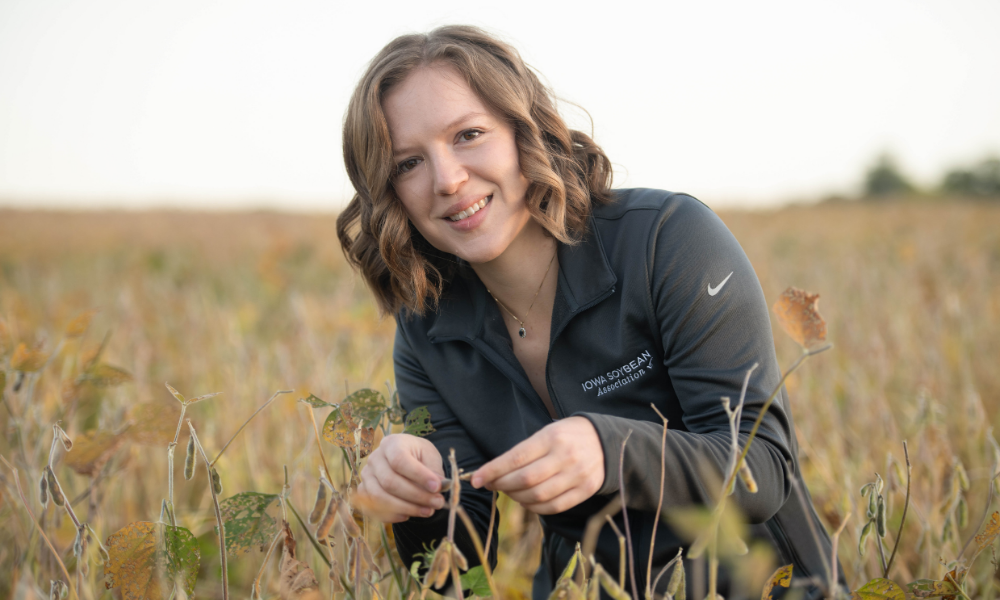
{"x": 229, "y": 105}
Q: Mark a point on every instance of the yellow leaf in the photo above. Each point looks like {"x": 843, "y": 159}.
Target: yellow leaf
{"x": 879, "y": 589}
{"x": 78, "y": 326}
{"x": 339, "y": 427}
{"x": 28, "y": 360}
{"x": 147, "y": 559}
{"x": 798, "y": 314}
{"x": 92, "y": 450}
{"x": 782, "y": 577}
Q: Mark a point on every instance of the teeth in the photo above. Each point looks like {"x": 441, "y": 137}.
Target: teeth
{"x": 472, "y": 209}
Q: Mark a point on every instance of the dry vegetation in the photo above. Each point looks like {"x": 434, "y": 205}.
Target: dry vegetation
{"x": 247, "y": 304}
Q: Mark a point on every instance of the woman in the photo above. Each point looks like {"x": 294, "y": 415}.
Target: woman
{"x": 540, "y": 313}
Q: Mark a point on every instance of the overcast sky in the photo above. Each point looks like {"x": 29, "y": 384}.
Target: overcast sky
{"x": 239, "y": 104}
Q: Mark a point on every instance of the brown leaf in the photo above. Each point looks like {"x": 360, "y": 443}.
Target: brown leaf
{"x": 367, "y": 441}
{"x": 989, "y": 533}
{"x": 92, "y": 450}
{"x": 798, "y": 314}
{"x": 782, "y": 578}
{"x": 78, "y": 326}
{"x": 28, "y": 360}
{"x": 297, "y": 581}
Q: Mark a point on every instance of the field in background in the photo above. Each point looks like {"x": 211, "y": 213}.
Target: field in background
{"x": 247, "y": 304}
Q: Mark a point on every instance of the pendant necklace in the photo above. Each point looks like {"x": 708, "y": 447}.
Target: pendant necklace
{"x": 521, "y": 332}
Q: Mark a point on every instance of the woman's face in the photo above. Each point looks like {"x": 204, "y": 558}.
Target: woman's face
{"x": 458, "y": 175}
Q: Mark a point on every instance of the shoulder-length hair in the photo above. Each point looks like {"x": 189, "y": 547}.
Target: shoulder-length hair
{"x": 566, "y": 170}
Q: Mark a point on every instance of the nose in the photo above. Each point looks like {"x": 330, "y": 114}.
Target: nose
{"x": 449, "y": 174}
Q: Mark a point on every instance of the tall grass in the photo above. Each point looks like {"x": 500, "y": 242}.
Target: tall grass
{"x": 246, "y": 304}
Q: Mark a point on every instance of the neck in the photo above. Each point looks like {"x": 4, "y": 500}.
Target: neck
{"x": 516, "y": 276}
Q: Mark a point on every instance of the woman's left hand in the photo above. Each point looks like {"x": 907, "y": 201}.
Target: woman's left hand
{"x": 554, "y": 470}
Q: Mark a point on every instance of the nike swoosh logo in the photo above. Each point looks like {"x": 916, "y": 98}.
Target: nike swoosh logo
{"x": 713, "y": 291}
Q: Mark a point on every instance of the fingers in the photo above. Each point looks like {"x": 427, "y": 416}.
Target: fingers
{"x": 375, "y": 502}
{"x": 410, "y": 458}
{"x": 401, "y": 487}
{"x": 517, "y": 457}
{"x": 401, "y": 479}
{"x": 528, "y": 476}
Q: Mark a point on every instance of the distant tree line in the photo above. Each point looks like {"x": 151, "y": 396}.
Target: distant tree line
{"x": 982, "y": 180}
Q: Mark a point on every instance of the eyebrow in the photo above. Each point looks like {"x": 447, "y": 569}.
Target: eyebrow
{"x": 449, "y": 126}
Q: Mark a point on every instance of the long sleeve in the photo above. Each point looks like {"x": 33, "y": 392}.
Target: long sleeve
{"x": 415, "y": 534}
{"x": 714, "y": 326}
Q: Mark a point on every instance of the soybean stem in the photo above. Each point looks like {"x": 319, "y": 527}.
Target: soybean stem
{"x": 247, "y": 422}
{"x": 906, "y": 505}
{"x": 48, "y": 542}
{"x": 218, "y": 513}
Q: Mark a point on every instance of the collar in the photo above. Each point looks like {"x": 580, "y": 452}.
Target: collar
{"x": 585, "y": 277}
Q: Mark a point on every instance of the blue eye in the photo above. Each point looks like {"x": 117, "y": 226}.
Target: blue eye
{"x": 407, "y": 165}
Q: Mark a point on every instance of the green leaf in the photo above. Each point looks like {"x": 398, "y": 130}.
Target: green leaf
{"x": 145, "y": 559}
{"x": 474, "y": 580}
{"x": 931, "y": 588}
{"x": 247, "y": 523}
{"x": 418, "y": 422}
{"x": 697, "y": 524}
{"x": 315, "y": 402}
{"x": 368, "y": 406}
{"x": 879, "y": 589}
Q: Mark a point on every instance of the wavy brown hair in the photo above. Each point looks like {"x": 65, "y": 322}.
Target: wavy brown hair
{"x": 566, "y": 170}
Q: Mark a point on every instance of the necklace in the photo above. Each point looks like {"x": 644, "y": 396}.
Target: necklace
{"x": 521, "y": 332}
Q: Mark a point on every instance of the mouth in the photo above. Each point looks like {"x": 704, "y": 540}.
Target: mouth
{"x": 468, "y": 212}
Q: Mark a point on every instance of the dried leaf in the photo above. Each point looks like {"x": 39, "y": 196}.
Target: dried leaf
{"x": 202, "y": 397}
{"x": 340, "y": 425}
{"x": 145, "y": 559}
{"x": 418, "y": 422}
{"x": 28, "y": 361}
{"x": 92, "y": 450}
{"x": 798, "y": 314}
{"x": 931, "y": 588}
{"x": 781, "y": 578}
{"x": 103, "y": 375}
{"x": 879, "y": 589}
{"x": 315, "y": 402}
{"x": 180, "y": 397}
{"x": 78, "y": 326}
{"x": 989, "y": 533}
{"x": 247, "y": 523}
{"x": 297, "y": 581}
{"x": 367, "y": 441}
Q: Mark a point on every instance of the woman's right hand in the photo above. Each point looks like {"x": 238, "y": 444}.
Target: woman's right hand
{"x": 402, "y": 479}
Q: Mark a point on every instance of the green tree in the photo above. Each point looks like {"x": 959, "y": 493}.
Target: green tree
{"x": 884, "y": 178}
{"x": 981, "y": 180}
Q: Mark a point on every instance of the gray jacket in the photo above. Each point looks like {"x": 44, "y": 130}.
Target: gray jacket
{"x": 660, "y": 305}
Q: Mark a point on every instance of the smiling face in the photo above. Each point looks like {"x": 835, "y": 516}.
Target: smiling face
{"x": 458, "y": 175}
